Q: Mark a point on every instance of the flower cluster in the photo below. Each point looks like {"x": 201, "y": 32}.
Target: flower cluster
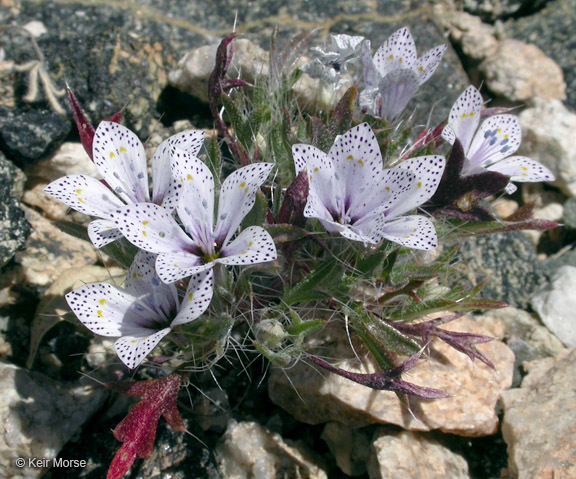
{"x": 315, "y": 214}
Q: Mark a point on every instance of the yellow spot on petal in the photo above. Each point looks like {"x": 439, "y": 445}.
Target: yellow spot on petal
{"x": 310, "y": 178}
{"x": 100, "y": 313}
{"x": 505, "y": 137}
{"x": 463, "y": 115}
{"x": 419, "y": 184}
{"x": 244, "y": 252}
{"x": 134, "y": 341}
{"x": 420, "y": 68}
{"x": 400, "y": 59}
{"x": 80, "y": 200}
{"x": 243, "y": 184}
{"x": 122, "y": 149}
{"x": 102, "y": 301}
{"x": 189, "y": 177}
{"x": 144, "y": 233}
{"x": 350, "y": 157}
{"x": 144, "y": 223}
{"x": 523, "y": 168}
{"x": 250, "y": 244}
{"x": 112, "y": 155}
{"x": 360, "y": 162}
{"x": 415, "y": 229}
{"x": 391, "y": 57}
{"x": 78, "y": 191}
{"x": 316, "y": 170}
{"x": 190, "y": 296}
{"x": 499, "y": 130}
{"x": 176, "y": 266}
{"x": 471, "y": 113}
{"x": 387, "y": 188}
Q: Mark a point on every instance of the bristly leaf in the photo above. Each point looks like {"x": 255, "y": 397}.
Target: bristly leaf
{"x": 295, "y": 198}
{"x": 138, "y": 429}
{"x": 388, "y": 380}
{"x": 463, "y": 342}
{"x": 341, "y": 118}
{"x": 282, "y": 61}
{"x": 218, "y": 84}
{"x": 327, "y": 275}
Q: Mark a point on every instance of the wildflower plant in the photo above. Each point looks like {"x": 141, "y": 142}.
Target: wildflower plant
{"x": 316, "y": 219}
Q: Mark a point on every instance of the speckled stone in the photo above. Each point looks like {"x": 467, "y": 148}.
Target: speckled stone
{"x": 552, "y": 29}
{"x": 509, "y": 263}
{"x": 538, "y": 423}
{"x": 14, "y": 229}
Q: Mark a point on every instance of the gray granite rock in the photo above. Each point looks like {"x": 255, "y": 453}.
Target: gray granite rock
{"x": 509, "y": 263}
{"x": 570, "y": 213}
{"x": 538, "y": 423}
{"x": 552, "y": 29}
{"x": 555, "y": 303}
{"x": 39, "y": 416}
{"x": 14, "y": 229}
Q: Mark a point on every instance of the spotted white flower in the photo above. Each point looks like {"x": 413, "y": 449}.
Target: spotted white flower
{"x": 395, "y": 73}
{"x": 490, "y": 146}
{"x": 121, "y": 161}
{"x": 152, "y": 228}
{"x": 141, "y": 313}
{"x": 351, "y": 194}
{"x": 329, "y": 65}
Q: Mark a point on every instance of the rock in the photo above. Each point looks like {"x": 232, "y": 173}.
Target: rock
{"x": 113, "y": 57}
{"x": 570, "y": 213}
{"x": 14, "y": 229}
{"x": 28, "y": 135}
{"x": 53, "y": 308}
{"x": 49, "y": 251}
{"x": 538, "y": 423}
{"x": 476, "y": 39}
{"x": 521, "y": 72}
{"x": 547, "y": 138}
{"x": 497, "y": 9}
{"x": 39, "y": 416}
{"x": 555, "y": 303}
{"x": 552, "y": 29}
{"x": 68, "y": 159}
{"x": 406, "y": 454}
{"x": 566, "y": 257}
{"x": 509, "y": 263}
{"x": 524, "y": 335}
{"x": 248, "y": 450}
{"x": 315, "y": 397}
{"x": 350, "y": 447}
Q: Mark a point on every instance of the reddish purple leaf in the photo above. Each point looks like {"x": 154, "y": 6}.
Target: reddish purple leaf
{"x": 138, "y": 429}
{"x": 386, "y": 380}
{"x": 85, "y": 128}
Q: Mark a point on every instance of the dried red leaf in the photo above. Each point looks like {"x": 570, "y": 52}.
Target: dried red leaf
{"x": 137, "y": 430}
{"x": 85, "y": 128}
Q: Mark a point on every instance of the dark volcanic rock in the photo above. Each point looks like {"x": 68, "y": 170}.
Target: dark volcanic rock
{"x": 29, "y": 134}
{"x": 491, "y": 10}
{"x": 509, "y": 263}
{"x": 552, "y": 29}
{"x": 14, "y": 229}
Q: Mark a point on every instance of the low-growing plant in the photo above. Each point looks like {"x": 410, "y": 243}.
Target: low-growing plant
{"x": 312, "y": 217}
